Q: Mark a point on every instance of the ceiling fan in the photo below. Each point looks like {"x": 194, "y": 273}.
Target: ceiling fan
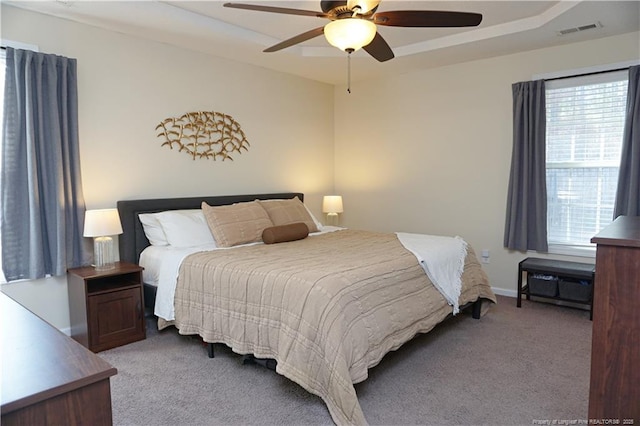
{"x": 353, "y": 24}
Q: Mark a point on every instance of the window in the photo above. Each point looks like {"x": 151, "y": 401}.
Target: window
{"x": 2, "y": 73}
{"x": 585, "y": 122}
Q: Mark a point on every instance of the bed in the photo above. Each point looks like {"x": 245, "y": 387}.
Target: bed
{"x": 326, "y": 307}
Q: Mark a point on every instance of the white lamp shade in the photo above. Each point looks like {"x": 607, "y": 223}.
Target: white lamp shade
{"x": 100, "y": 223}
{"x": 332, "y": 204}
{"x": 350, "y": 33}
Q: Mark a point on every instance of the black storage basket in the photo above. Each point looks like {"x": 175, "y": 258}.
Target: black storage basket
{"x": 574, "y": 290}
{"x": 540, "y": 285}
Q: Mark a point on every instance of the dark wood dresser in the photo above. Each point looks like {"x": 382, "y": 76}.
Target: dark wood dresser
{"x": 614, "y": 394}
{"x": 47, "y": 377}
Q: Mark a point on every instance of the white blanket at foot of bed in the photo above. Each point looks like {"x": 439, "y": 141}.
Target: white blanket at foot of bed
{"x": 442, "y": 258}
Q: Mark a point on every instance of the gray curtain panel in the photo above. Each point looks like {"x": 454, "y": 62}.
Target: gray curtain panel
{"x": 42, "y": 201}
{"x": 526, "y": 220}
{"x": 628, "y": 194}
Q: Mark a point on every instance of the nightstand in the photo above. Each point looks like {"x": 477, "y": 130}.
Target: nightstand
{"x": 106, "y": 308}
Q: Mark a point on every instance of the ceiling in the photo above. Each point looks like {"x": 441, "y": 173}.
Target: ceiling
{"x": 241, "y": 35}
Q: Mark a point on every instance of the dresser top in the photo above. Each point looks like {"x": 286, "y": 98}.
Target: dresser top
{"x": 39, "y": 361}
{"x": 624, "y": 231}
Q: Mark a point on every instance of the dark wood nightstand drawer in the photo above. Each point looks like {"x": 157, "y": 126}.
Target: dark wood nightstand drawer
{"x": 115, "y": 318}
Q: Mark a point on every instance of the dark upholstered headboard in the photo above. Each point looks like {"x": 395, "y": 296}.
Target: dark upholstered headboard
{"x": 133, "y": 240}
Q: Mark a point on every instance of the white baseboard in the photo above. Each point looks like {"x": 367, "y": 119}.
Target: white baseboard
{"x": 66, "y": 330}
{"x": 503, "y": 292}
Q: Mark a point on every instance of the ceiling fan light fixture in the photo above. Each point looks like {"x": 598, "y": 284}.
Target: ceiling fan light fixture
{"x": 350, "y": 34}
{"x": 363, "y": 6}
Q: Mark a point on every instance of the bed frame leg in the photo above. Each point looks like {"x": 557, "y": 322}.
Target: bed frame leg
{"x": 210, "y": 350}
{"x": 476, "y": 308}
{"x": 265, "y": 362}
{"x": 248, "y": 359}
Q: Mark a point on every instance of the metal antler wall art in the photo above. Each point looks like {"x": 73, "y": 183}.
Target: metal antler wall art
{"x": 204, "y": 134}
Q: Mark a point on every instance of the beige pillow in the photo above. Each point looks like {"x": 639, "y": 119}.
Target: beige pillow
{"x": 238, "y": 223}
{"x": 285, "y": 212}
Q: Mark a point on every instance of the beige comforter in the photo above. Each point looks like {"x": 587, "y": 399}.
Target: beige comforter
{"x": 327, "y": 308}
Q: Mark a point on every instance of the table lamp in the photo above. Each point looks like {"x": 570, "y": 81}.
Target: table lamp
{"x": 101, "y": 225}
{"x": 332, "y": 205}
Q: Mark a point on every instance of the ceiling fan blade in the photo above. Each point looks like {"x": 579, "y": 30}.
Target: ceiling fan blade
{"x": 272, "y": 9}
{"x": 379, "y": 49}
{"x": 295, "y": 40}
{"x": 427, "y": 18}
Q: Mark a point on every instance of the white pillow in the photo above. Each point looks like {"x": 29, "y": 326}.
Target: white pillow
{"x": 185, "y": 228}
{"x": 152, "y": 229}
{"x": 316, "y": 221}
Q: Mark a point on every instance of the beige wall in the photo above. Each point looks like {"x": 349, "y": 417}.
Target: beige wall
{"x": 430, "y": 151}
{"x": 127, "y": 85}
{"x": 425, "y": 152}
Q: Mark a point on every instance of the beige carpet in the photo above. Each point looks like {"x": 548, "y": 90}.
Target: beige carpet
{"x": 512, "y": 367}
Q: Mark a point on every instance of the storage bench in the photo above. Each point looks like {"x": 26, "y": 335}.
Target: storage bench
{"x": 558, "y": 280}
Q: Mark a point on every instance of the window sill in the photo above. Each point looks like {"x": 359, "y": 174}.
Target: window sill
{"x": 572, "y": 250}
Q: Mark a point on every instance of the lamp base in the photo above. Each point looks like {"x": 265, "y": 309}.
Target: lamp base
{"x": 105, "y": 267}
{"x": 332, "y": 219}
{"x": 103, "y": 254}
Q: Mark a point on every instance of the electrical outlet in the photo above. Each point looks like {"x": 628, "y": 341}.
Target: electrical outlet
{"x": 485, "y": 256}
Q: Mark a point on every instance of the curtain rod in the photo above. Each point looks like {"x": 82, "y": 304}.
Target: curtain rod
{"x": 586, "y": 74}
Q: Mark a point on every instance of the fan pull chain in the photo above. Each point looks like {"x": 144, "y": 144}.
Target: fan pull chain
{"x": 349, "y": 73}
{"x": 349, "y": 52}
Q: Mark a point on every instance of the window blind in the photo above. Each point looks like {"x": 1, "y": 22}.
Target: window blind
{"x": 3, "y": 55}
{"x": 585, "y": 122}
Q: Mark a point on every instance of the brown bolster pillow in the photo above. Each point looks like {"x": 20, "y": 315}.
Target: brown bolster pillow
{"x": 284, "y": 233}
